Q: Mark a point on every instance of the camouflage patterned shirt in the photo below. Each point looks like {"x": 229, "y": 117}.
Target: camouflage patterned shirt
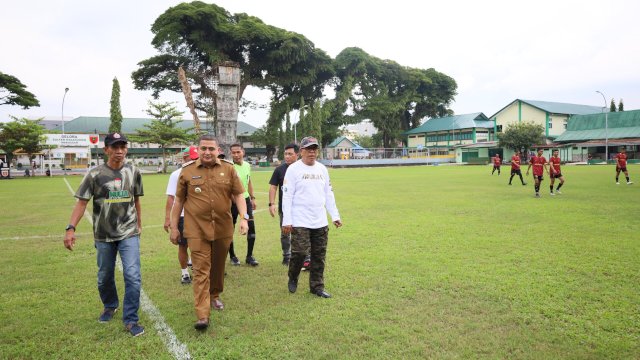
{"x": 114, "y": 192}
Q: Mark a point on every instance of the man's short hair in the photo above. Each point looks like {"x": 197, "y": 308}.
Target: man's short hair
{"x": 208, "y": 137}
{"x": 236, "y": 145}
{"x": 293, "y": 146}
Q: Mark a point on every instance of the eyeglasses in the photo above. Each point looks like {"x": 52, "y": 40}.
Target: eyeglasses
{"x": 205, "y": 148}
{"x": 312, "y": 149}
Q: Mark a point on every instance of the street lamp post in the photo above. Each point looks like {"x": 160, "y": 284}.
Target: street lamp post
{"x": 606, "y": 129}
{"x": 64, "y": 159}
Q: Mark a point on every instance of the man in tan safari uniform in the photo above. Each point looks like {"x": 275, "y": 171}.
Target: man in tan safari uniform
{"x": 205, "y": 190}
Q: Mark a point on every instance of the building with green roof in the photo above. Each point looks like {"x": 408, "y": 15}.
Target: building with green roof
{"x": 144, "y": 153}
{"x": 588, "y": 135}
{"x": 553, "y": 116}
{"x": 453, "y": 136}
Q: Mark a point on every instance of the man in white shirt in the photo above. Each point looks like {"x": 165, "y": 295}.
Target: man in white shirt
{"x": 189, "y": 155}
{"x": 307, "y": 197}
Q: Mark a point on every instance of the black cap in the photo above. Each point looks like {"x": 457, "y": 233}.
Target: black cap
{"x": 115, "y": 138}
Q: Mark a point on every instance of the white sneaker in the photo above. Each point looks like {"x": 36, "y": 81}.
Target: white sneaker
{"x": 617, "y": 183}
{"x": 552, "y": 194}
{"x": 629, "y": 182}
{"x": 558, "y": 192}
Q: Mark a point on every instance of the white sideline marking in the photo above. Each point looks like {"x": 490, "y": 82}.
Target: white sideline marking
{"x": 175, "y": 347}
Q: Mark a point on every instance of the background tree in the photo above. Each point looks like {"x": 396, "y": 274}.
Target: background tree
{"x": 620, "y": 105}
{"x": 612, "y": 106}
{"x": 164, "y": 130}
{"x": 368, "y": 141}
{"x": 116, "y": 112}
{"x": 13, "y": 92}
{"x": 22, "y": 134}
{"x": 197, "y": 36}
{"x": 281, "y": 144}
{"x": 521, "y": 135}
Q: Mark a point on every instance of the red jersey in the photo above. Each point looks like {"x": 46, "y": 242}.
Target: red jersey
{"x": 554, "y": 162}
{"x": 515, "y": 162}
{"x": 496, "y": 161}
{"x": 622, "y": 160}
{"x": 538, "y": 165}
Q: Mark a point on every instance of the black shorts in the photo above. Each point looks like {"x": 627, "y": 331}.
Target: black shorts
{"x": 182, "y": 240}
{"x": 623, "y": 169}
{"x": 516, "y": 172}
{"x": 539, "y": 177}
{"x": 556, "y": 176}
{"x": 496, "y": 167}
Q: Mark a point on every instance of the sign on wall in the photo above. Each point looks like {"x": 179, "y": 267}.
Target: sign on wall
{"x": 71, "y": 139}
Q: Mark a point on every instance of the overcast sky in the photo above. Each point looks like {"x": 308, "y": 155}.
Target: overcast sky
{"x": 497, "y": 51}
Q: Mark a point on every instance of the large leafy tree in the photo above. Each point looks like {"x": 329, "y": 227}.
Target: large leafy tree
{"x": 392, "y": 96}
{"x": 13, "y": 92}
{"x": 24, "y": 134}
{"x": 163, "y": 130}
{"x": 199, "y": 36}
{"x": 521, "y": 135}
{"x": 116, "y": 112}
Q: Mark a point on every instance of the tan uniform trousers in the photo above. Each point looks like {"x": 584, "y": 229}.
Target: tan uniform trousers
{"x": 208, "y": 259}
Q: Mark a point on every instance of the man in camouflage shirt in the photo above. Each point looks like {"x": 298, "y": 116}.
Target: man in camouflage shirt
{"x": 116, "y": 188}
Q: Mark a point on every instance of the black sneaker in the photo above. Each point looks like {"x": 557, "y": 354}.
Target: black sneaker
{"x": 235, "y": 261}
{"x": 134, "y": 329}
{"x": 107, "y": 314}
{"x": 186, "y": 279}
{"x": 293, "y": 285}
{"x": 321, "y": 293}
{"x": 250, "y": 260}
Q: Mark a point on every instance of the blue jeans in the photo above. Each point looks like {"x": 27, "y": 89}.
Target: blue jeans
{"x": 129, "y": 250}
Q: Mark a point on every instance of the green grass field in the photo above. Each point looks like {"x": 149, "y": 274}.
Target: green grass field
{"x": 432, "y": 262}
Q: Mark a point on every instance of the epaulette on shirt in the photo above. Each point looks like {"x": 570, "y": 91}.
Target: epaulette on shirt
{"x": 228, "y": 161}
{"x": 188, "y": 163}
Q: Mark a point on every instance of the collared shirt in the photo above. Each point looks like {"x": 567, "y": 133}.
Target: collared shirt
{"x": 207, "y": 193}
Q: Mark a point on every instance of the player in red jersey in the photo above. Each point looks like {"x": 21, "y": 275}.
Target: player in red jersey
{"x": 496, "y": 163}
{"x": 621, "y": 165}
{"x": 554, "y": 172}
{"x": 539, "y": 164}
{"x": 515, "y": 167}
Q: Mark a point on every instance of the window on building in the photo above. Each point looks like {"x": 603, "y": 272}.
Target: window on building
{"x": 550, "y": 124}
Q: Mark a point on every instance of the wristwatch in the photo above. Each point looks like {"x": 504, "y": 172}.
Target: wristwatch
{"x": 245, "y": 216}
{"x": 70, "y": 227}
{"x": 271, "y": 204}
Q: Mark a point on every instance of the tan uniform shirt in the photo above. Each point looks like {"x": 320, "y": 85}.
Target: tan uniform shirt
{"x": 207, "y": 194}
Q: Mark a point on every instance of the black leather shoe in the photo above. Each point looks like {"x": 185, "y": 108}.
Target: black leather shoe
{"x": 321, "y": 293}
{"x": 293, "y": 285}
{"x": 201, "y": 324}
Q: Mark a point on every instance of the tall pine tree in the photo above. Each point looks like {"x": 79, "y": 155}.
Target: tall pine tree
{"x": 612, "y": 106}
{"x": 620, "y": 105}
{"x": 116, "y": 112}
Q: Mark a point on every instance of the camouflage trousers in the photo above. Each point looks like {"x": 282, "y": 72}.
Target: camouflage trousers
{"x": 301, "y": 240}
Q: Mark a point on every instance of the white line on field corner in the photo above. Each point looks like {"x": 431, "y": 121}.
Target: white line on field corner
{"x": 175, "y": 347}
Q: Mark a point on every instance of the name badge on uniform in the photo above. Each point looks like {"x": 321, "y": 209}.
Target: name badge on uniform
{"x": 198, "y": 190}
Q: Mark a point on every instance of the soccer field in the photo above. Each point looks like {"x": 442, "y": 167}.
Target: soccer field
{"x": 432, "y": 262}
